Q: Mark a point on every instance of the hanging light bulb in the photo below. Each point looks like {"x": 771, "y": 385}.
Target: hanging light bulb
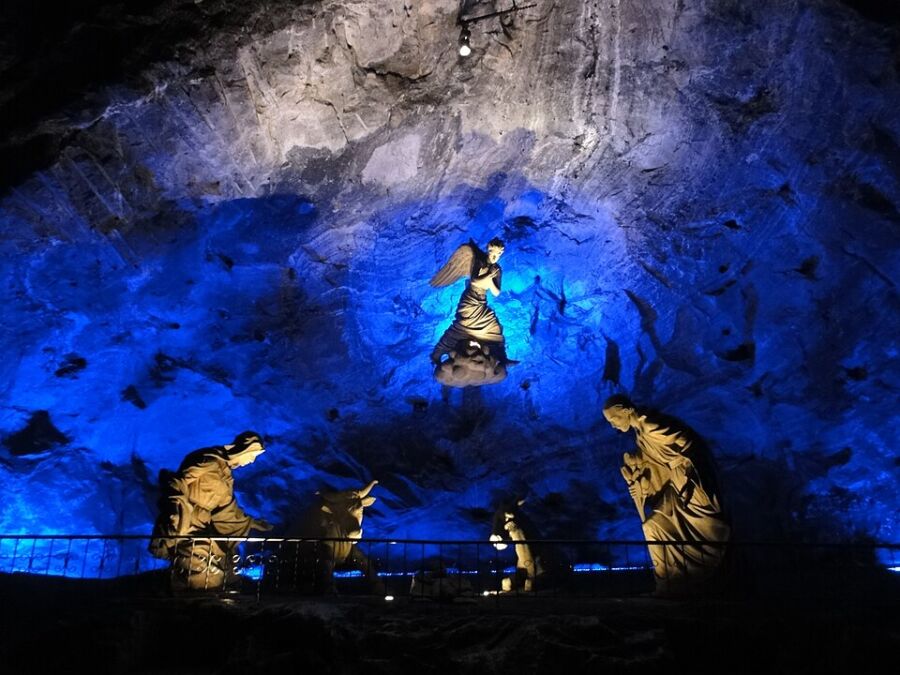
{"x": 463, "y": 21}
{"x": 464, "y": 35}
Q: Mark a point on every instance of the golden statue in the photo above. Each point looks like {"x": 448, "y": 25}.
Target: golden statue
{"x": 198, "y": 503}
{"x": 671, "y": 475}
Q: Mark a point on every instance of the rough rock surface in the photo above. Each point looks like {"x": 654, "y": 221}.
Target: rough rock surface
{"x": 232, "y": 226}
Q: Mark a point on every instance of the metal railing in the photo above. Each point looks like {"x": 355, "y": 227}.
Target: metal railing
{"x": 460, "y": 570}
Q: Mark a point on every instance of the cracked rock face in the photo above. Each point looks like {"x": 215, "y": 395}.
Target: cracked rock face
{"x": 233, "y": 226}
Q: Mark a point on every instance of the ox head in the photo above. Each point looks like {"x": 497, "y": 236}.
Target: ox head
{"x": 345, "y": 509}
{"x": 505, "y": 519}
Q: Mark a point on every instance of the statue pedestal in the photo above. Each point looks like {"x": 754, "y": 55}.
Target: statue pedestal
{"x": 470, "y": 365}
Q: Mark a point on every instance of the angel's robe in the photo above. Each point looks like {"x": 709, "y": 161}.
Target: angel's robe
{"x": 474, "y": 320}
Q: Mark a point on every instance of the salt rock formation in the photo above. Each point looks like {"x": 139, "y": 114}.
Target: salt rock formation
{"x": 221, "y": 215}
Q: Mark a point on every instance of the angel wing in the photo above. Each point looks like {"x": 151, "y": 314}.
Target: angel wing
{"x": 458, "y": 266}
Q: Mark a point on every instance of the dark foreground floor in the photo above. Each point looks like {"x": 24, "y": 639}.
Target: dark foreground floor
{"x": 59, "y": 626}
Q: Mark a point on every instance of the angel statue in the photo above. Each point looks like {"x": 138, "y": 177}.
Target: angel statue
{"x": 473, "y": 344}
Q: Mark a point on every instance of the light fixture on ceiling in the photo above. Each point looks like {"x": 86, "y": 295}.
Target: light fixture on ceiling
{"x": 465, "y": 35}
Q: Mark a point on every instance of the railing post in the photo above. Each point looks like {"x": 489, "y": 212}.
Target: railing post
{"x": 12, "y": 563}
{"x": 137, "y": 556}
{"x": 49, "y": 559}
{"x": 262, "y": 567}
{"x": 31, "y": 555}
{"x": 459, "y": 569}
{"x": 477, "y": 586}
{"x": 279, "y": 556}
{"x": 296, "y": 565}
{"x": 67, "y": 558}
{"x": 87, "y": 543}
{"x": 405, "y": 568}
{"x": 498, "y": 578}
{"x": 121, "y": 547}
{"x": 333, "y": 562}
{"x": 387, "y": 564}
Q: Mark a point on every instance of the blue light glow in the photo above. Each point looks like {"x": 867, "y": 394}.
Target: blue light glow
{"x": 252, "y": 572}
{"x": 285, "y": 314}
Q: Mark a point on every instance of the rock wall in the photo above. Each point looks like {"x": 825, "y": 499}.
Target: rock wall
{"x": 700, "y": 203}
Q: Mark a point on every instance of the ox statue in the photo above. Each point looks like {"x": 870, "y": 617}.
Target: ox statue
{"x": 336, "y": 523}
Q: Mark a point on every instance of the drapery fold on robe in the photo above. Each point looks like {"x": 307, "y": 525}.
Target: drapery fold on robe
{"x": 474, "y": 320}
{"x": 198, "y": 501}
{"x": 683, "y": 500}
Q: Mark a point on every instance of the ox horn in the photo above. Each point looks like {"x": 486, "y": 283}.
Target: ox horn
{"x": 366, "y": 490}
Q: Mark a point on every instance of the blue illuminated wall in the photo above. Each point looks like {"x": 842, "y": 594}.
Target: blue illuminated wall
{"x": 752, "y": 294}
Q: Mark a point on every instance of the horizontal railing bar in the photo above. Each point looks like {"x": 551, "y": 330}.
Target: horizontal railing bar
{"x": 459, "y": 542}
